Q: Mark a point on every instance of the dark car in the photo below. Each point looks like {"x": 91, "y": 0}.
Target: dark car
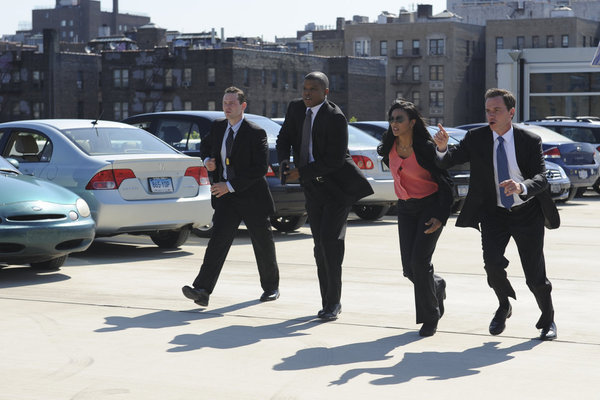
{"x": 184, "y": 130}
{"x": 460, "y": 174}
{"x": 579, "y": 160}
{"x": 580, "y": 129}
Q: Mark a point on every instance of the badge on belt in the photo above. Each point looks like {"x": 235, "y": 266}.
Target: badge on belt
{"x": 227, "y": 161}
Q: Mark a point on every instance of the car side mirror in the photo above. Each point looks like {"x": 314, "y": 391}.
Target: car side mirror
{"x": 14, "y": 162}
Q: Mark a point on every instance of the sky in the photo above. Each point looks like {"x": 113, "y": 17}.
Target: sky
{"x": 263, "y": 18}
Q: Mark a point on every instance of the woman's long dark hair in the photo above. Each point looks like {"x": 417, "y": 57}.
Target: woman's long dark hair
{"x": 420, "y": 132}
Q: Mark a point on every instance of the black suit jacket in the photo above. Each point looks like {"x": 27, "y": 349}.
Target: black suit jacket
{"x": 343, "y": 179}
{"x": 477, "y": 147}
{"x": 426, "y": 157}
{"x": 249, "y": 160}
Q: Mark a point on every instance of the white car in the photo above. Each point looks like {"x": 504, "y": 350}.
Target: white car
{"x": 133, "y": 182}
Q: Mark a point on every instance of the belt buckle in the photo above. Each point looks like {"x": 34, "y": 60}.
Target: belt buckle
{"x": 320, "y": 179}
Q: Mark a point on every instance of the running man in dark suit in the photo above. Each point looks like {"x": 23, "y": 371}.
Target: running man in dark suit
{"x": 317, "y": 132}
{"x": 235, "y": 152}
{"x": 508, "y": 197}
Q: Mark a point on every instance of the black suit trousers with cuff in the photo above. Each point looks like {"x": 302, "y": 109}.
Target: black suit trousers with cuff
{"x": 328, "y": 219}
{"x": 526, "y": 227}
{"x": 226, "y": 220}
{"x": 416, "y": 251}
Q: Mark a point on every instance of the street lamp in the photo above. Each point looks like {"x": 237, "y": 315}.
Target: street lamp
{"x": 517, "y": 56}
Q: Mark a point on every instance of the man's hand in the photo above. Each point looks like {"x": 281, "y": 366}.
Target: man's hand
{"x": 441, "y": 139}
{"x": 210, "y": 164}
{"x": 434, "y": 224}
{"x": 511, "y": 187}
{"x": 219, "y": 189}
{"x": 292, "y": 174}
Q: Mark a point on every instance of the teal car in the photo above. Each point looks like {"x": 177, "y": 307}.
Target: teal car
{"x": 41, "y": 223}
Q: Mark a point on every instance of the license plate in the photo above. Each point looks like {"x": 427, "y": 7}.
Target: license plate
{"x": 160, "y": 185}
{"x": 583, "y": 174}
{"x": 555, "y": 188}
{"x": 462, "y": 190}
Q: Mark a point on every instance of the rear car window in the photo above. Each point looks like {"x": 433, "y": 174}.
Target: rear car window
{"x": 102, "y": 141}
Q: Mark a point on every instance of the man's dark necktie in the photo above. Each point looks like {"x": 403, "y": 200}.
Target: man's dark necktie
{"x": 502, "y": 164}
{"x": 228, "y": 146}
{"x": 306, "y": 133}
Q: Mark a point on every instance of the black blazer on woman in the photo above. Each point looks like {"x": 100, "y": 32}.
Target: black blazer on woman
{"x": 426, "y": 155}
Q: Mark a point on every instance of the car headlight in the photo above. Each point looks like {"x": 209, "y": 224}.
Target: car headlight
{"x": 82, "y": 208}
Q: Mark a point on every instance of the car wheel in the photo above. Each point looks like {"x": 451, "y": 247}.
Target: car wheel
{"x": 370, "y": 213}
{"x": 204, "y": 231}
{"x": 55, "y": 263}
{"x": 596, "y": 186}
{"x": 288, "y": 223}
{"x": 171, "y": 239}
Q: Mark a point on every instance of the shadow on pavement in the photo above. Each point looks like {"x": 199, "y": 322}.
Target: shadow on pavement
{"x": 440, "y": 365}
{"x": 234, "y": 336}
{"x": 165, "y": 318}
{"x": 107, "y": 252}
{"x": 26, "y": 276}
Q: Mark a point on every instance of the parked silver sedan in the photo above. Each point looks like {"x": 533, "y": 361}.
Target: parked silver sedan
{"x": 133, "y": 182}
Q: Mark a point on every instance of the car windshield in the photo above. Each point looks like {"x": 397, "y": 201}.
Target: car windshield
{"x": 103, "y": 141}
{"x": 547, "y": 135}
{"x": 5, "y": 167}
{"x": 358, "y": 138}
{"x": 452, "y": 139}
{"x": 272, "y": 128}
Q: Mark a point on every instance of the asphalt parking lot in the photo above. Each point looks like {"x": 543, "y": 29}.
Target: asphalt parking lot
{"x": 112, "y": 323}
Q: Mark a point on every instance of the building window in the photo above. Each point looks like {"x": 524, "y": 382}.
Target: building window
{"x": 121, "y": 78}
{"x": 550, "y": 41}
{"x": 583, "y": 41}
{"x": 499, "y": 43}
{"x": 246, "y": 77}
{"x": 436, "y": 99}
{"x": 416, "y": 47}
{"x": 520, "y": 42}
{"x": 211, "y": 76}
{"x": 274, "y": 108}
{"x": 121, "y": 111}
{"x": 63, "y": 22}
{"x": 148, "y": 106}
{"x": 187, "y": 77}
{"x": 274, "y": 79}
{"x": 148, "y": 76}
{"x": 263, "y": 77}
{"x": 436, "y": 72}
{"x": 535, "y": 41}
{"x": 436, "y": 47}
{"x": 399, "y": 72}
{"x": 168, "y": 77}
{"x": 212, "y": 106}
{"x": 362, "y": 48}
{"x": 564, "y": 41}
{"x": 168, "y": 106}
{"x": 399, "y": 47}
{"x": 416, "y": 73}
{"x": 38, "y": 110}
{"x": 187, "y": 105}
{"x": 383, "y": 48}
{"x": 416, "y": 98}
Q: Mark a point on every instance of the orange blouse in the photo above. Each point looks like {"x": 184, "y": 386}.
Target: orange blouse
{"x": 411, "y": 181}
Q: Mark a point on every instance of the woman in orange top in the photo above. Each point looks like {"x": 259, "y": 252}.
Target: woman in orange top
{"x": 424, "y": 200}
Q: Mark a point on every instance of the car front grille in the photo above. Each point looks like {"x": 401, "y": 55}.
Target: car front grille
{"x": 35, "y": 217}
{"x": 553, "y": 174}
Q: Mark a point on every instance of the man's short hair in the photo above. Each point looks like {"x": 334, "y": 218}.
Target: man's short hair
{"x": 319, "y": 77}
{"x": 240, "y": 93}
{"x": 507, "y": 96}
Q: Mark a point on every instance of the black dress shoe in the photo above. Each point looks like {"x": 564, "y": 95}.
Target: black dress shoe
{"x": 428, "y": 329}
{"x": 270, "y": 295}
{"x": 549, "y": 333}
{"x": 441, "y": 296}
{"x": 320, "y": 313}
{"x": 200, "y": 296}
{"x": 331, "y": 313}
{"x": 499, "y": 321}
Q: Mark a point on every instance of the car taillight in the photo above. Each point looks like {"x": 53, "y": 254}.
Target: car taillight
{"x": 270, "y": 171}
{"x": 200, "y": 174}
{"x": 109, "y": 179}
{"x": 554, "y": 152}
{"x": 363, "y": 162}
